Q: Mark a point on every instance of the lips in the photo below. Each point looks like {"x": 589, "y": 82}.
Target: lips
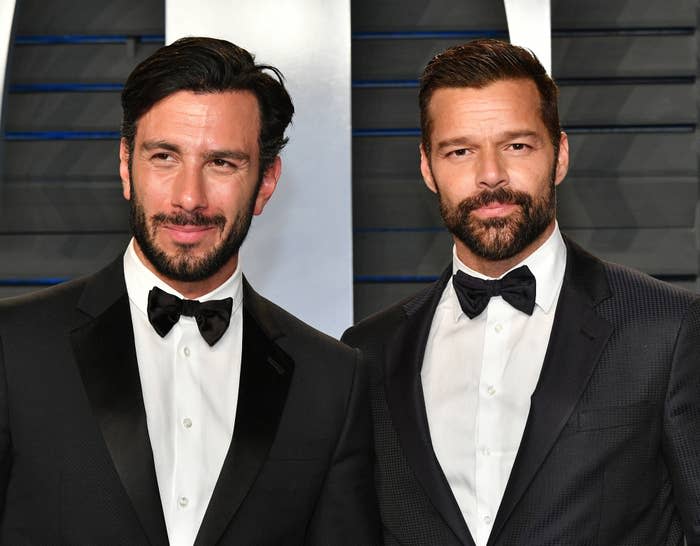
{"x": 495, "y": 208}
{"x": 187, "y": 234}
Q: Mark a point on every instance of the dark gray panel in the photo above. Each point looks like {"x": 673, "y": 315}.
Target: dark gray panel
{"x": 372, "y": 297}
{"x": 576, "y": 57}
{"x": 90, "y": 17}
{"x": 622, "y": 13}
{"x": 11, "y": 291}
{"x": 591, "y": 154}
{"x": 99, "y": 111}
{"x": 34, "y": 256}
{"x": 655, "y": 251}
{"x": 75, "y": 63}
{"x": 76, "y": 160}
{"x": 429, "y": 15}
{"x": 583, "y": 203}
{"x": 30, "y": 207}
{"x": 382, "y": 108}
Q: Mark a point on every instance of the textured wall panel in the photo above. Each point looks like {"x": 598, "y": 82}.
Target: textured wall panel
{"x": 572, "y": 57}
{"x": 90, "y": 17}
{"x": 579, "y": 105}
{"x": 63, "y": 207}
{"x": 430, "y": 15}
{"x": 77, "y": 111}
{"x": 76, "y": 63}
{"x": 62, "y": 256}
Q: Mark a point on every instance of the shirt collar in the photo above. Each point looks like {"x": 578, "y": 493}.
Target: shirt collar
{"x": 547, "y": 264}
{"x": 139, "y": 281}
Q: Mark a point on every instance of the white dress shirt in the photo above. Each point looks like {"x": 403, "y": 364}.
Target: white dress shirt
{"x": 190, "y": 392}
{"x": 478, "y": 376}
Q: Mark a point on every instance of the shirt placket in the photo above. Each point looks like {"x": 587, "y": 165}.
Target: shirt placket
{"x": 486, "y": 456}
{"x": 187, "y": 427}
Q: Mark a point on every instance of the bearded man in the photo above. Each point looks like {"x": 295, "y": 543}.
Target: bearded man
{"x": 534, "y": 395}
{"x": 162, "y": 400}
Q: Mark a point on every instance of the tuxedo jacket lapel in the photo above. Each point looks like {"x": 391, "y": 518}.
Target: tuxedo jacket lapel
{"x": 404, "y": 393}
{"x": 576, "y": 342}
{"x": 266, "y": 372}
{"x": 103, "y": 344}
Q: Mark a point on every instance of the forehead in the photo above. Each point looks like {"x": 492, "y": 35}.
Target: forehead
{"x": 216, "y": 117}
{"x": 504, "y": 102}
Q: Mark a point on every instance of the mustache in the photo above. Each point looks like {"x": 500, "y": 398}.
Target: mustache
{"x": 506, "y": 196}
{"x": 189, "y": 219}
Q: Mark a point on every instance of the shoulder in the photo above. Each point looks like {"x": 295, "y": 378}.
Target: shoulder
{"x": 379, "y": 326}
{"x": 640, "y": 294}
{"x": 44, "y": 304}
{"x": 300, "y": 340}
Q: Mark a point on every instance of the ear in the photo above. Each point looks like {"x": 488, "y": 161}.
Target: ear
{"x": 562, "y": 159}
{"x": 268, "y": 185}
{"x": 124, "y": 169}
{"x": 426, "y": 171}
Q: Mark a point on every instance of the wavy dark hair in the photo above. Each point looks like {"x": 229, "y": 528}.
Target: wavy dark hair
{"x": 481, "y": 62}
{"x": 209, "y": 65}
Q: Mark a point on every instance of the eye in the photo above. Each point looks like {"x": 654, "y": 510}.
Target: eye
{"x": 220, "y": 163}
{"x": 161, "y": 156}
{"x": 519, "y": 146}
{"x": 459, "y": 152}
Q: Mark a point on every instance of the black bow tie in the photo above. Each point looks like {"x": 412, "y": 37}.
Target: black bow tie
{"x": 164, "y": 310}
{"x": 517, "y": 288}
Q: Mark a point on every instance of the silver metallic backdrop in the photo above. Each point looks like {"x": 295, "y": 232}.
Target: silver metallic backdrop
{"x": 299, "y": 251}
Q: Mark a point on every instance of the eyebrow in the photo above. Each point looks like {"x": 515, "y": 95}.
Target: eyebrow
{"x": 208, "y": 156}
{"x": 508, "y": 135}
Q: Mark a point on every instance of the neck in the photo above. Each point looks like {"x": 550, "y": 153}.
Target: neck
{"x": 195, "y": 289}
{"x": 496, "y": 268}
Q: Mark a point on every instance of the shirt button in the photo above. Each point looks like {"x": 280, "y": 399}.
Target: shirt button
{"x": 183, "y": 502}
{"x": 187, "y": 422}
{"x": 498, "y": 328}
{"x": 485, "y": 451}
{"x": 491, "y": 390}
{"x": 186, "y": 351}
{"x": 487, "y": 520}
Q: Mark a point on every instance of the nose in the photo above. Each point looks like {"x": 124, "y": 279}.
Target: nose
{"x": 189, "y": 190}
{"x": 491, "y": 171}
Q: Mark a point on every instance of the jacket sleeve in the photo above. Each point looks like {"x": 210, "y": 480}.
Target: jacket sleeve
{"x": 346, "y": 512}
{"x": 682, "y": 424}
{"x": 5, "y": 444}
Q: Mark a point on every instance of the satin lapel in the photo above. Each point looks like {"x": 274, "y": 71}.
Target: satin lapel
{"x": 404, "y": 392}
{"x": 103, "y": 344}
{"x": 266, "y": 373}
{"x": 577, "y": 340}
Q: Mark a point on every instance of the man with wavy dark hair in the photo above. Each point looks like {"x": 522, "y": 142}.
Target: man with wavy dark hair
{"x": 162, "y": 400}
{"x": 534, "y": 394}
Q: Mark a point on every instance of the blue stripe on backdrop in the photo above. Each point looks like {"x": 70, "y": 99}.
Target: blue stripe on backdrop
{"x": 63, "y": 87}
{"x": 502, "y": 33}
{"x": 61, "y": 135}
{"x": 43, "y": 281}
{"x": 87, "y": 39}
{"x": 621, "y": 80}
{"x": 577, "y": 129}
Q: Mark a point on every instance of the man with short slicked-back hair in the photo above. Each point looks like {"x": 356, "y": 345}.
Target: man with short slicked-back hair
{"x": 162, "y": 400}
{"x": 534, "y": 395}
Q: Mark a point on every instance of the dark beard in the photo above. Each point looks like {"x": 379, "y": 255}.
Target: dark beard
{"x": 504, "y": 237}
{"x": 183, "y": 267}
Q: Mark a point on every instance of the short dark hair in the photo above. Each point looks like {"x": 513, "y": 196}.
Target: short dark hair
{"x": 209, "y": 65}
{"x": 481, "y": 62}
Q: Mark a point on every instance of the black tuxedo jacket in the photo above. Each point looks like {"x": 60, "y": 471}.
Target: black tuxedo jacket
{"x": 611, "y": 449}
{"x": 76, "y": 463}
